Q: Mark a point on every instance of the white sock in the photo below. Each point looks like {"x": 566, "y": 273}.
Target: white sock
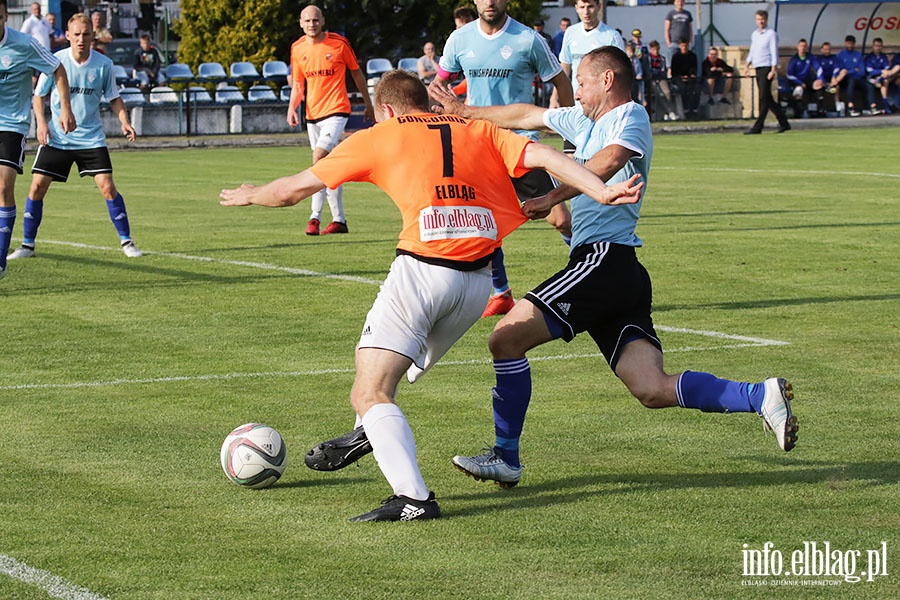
{"x": 335, "y": 198}
{"x": 316, "y": 204}
{"x": 395, "y": 450}
{"x": 358, "y": 422}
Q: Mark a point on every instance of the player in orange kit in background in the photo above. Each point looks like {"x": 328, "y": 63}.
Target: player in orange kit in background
{"x": 319, "y": 62}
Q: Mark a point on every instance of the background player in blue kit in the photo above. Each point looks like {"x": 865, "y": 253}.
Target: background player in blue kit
{"x": 20, "y": 56}
{"x": 499, "y": 57}
{"x": 91, "y": 78}
{"x": 584, "y": 36}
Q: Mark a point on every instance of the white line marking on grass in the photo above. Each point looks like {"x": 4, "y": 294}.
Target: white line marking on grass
{"x": 745, "y": 342}
{"x": 782, "y": 171}
{"x": 55, "y": 586}
{"x": 728, "y": 336}
{"x": 236, "y": 263}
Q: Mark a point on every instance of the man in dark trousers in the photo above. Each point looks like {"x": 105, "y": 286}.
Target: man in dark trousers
{"x": 764, "y": 58}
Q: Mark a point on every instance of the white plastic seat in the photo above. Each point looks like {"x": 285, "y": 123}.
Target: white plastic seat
{"x": 179, "y": 72}
{"x": 261, "y": 93}
{"x": 132, "y": 97}
{"x": 163, "y": 94}
{"x": 211, "y": 71}
{"x": 409, "y": 64}
{"x": 228, "y": 94}
{"x": 243, "y": 71}
{"x": 199, "y": 94}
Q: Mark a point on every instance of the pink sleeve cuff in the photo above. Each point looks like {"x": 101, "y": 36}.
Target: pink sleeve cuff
{"x": 446, "y": 75}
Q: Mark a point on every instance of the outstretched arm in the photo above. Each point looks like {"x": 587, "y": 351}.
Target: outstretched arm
{"x": 286, "y": 191}
{"x": 566, "y": 170}
{"x": 512, "y": 116}
{"x": 605, "y": 163}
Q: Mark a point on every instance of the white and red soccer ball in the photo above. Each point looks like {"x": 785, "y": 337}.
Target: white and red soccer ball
{"x": 254, "y": 456}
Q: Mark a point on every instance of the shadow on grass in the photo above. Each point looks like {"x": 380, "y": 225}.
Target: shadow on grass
{"x": 311, "y": 241}
{"x": 725, "y": 213}
{"x": 336, "y": 480}
{"x": 794, "y": 226}
{"x": 176, "y": 277}
{"x": 773, "y": 302}
{"x": 578, "y": 488}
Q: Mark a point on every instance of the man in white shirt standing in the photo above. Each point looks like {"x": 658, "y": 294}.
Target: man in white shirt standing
{"x": 764, "y": 58}
{"x": 37, "y": 26}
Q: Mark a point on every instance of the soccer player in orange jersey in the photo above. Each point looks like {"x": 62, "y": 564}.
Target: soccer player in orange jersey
{"x": 319, "y": 62}
{"x": 457, "y": 204}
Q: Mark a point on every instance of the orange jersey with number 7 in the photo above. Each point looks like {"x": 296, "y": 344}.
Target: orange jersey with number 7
{"x": 450, "y": 178}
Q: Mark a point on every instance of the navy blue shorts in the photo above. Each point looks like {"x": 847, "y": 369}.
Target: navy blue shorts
{"x": 57, "y": 163}
{"x": 603, "y": 290}
{"x": 12, "y": 150}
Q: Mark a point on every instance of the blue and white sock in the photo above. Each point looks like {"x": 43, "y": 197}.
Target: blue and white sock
{"x": 119, "y": 217}
{"x": 511, "y": 397}
{"x": 31, "y": 221}
{"x": 7, "y": 222}
{"x": 498, "y": 273}
{"x": 710, "y": 394}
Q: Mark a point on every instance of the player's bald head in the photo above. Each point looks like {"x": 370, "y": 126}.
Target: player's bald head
{"x": 312, "y": 12}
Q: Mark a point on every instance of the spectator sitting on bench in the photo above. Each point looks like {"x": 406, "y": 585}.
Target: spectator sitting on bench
{"x": 718, "y": 76}
{"x": 878, "y": 74}
{"x": 829, "y": 72}
{"x": 894, "y": 82}
{"x": 853, "y": 72}
{"x": 802, "y": 72}
{"x": 685, "y": 80}
{"x": 147, "y": 64}
{"x": 659, "y": 77}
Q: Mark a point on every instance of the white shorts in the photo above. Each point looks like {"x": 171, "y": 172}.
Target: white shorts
{"x": 422, "y": 310}
{"x": 326, "y": 134}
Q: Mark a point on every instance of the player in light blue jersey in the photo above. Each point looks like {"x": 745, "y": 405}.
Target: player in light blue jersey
{"x": 91, "y": 79}
{"x": 500, "y": 57}
{"x": 603, "y": 290}
{"x": 586, "y": 35}
{"x": 20, "y": 56}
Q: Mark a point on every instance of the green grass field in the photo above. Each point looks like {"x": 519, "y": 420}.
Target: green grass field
{"x": 121, "y": 378}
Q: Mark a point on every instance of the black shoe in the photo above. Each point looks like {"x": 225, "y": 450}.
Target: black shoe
{"x": 401, "y": 508}
{"x": 724, "y": 100}
{"x": 783, "y": 128}
{"x": 753, "y": 132}
{"x": 338, "y": 453}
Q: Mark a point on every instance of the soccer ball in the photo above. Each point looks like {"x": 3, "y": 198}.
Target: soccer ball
{"x": 254, "y": 456}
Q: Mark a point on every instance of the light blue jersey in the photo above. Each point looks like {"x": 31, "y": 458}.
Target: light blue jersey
{"x": 20, "y": 55}
{"x": 628, "y": 126}
{"x": 499, "y": 68}
{"x": 88, "y": 82}
{"x": 577, "y": 42}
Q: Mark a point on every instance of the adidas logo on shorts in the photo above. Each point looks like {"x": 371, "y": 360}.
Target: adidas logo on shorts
{"x": 564, "y": 307}
{"x": 367, "y": 330}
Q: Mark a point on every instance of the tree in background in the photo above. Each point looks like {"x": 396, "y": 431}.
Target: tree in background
{"x": 228, "y": 31}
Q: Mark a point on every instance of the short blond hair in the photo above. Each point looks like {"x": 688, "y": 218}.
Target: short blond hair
{"x": 80, "y": 18}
